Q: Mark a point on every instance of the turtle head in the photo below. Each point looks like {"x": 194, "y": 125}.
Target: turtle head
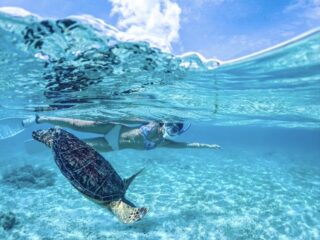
{"x": 45, "y": 136}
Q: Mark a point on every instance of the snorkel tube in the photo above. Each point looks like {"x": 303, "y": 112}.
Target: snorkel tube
{"x": 173, "y": 130}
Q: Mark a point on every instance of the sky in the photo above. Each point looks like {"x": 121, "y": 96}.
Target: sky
{"x": 223, "y": 29}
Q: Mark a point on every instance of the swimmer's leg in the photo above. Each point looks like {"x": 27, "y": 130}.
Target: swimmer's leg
{"x": 78, "y": 124}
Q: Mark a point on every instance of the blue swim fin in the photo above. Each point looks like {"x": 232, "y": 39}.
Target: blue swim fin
{"x": 10, "y": 127}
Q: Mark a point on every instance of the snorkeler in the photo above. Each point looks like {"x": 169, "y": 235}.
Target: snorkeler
{"x": 147, "y": 136}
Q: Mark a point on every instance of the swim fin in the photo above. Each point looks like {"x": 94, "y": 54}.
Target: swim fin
{"x": 10, "y": 127}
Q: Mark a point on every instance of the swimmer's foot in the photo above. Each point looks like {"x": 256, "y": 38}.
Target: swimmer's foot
{"x": 30, "y": 121}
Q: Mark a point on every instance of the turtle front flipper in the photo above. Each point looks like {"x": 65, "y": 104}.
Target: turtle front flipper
{"x": 126, "y": 212}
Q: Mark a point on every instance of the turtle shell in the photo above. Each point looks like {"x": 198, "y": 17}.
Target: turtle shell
{"x": 85, "y": 168}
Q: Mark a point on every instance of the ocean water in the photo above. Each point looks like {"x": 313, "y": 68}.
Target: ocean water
{"x": 263, "y": 110}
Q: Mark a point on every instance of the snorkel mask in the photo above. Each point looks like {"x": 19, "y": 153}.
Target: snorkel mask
{"x": 173, "y": 130}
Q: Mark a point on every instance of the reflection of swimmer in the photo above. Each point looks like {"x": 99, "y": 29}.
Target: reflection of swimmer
{"x": 147, "y": 136}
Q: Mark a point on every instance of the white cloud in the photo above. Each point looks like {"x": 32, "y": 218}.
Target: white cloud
{"x": 308, "y": 8}
{"x": 154, "y": 21}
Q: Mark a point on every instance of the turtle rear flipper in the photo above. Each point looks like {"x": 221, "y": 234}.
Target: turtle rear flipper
{"x": 127, "y": 212}
{"x": 129, "y": 180}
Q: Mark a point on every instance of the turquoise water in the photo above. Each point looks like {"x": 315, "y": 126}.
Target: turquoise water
{"x": 264, "y": 111}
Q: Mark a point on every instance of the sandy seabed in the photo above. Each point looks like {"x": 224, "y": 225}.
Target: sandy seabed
{"x": 190, "y": 194}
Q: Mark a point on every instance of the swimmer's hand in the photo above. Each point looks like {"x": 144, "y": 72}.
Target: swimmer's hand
{"x": 203, "y": 145}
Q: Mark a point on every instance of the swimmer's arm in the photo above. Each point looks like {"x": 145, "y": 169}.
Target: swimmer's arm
{"x": 168, "y": 143}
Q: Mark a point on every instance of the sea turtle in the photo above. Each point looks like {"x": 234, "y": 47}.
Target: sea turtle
{"x": 90, "y": 173}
